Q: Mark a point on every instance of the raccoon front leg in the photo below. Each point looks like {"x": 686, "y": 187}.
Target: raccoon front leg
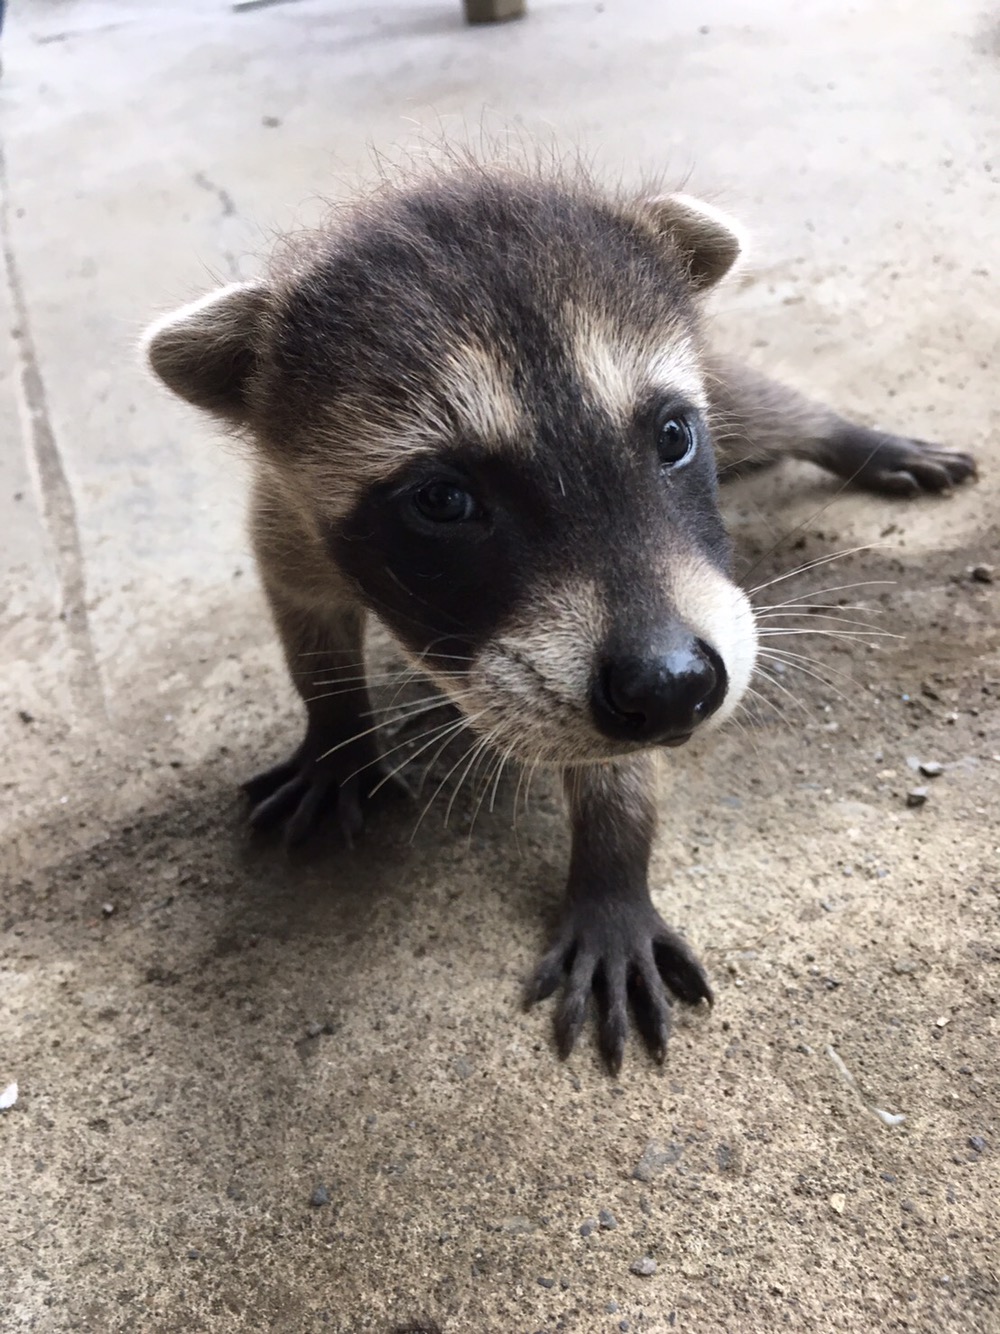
{"x": 337, "y": 764}
{"x": 321, "y": 625}
{"x": 611, "y": 943}
{"x": 757, "y": 421}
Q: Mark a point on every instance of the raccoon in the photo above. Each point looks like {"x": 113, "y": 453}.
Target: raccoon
{"x": 483, "y": 410}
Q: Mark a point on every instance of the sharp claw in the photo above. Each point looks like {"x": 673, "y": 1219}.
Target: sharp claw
{"x": 932, "y": 476}
{"x": 265, "y": 784}
{"x": 651, "y": 1006}
{"x": 545, "y": 979}
{"x": 680, "y": 970}
{"x": 306, "y": 814}
{"x": 613, "y": 1032}
{"x": 275, "y": 807}
{"x": 350, "y": 817}
{"x": 573, "y": 1008}
{"x": 899, "y": 482}
{"x": 635, "y": 963}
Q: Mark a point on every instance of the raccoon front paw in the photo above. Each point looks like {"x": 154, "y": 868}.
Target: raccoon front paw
{"x": 322, "y": 779}
{"x": 620, "y": 954}
{"x": 896, "y": 466}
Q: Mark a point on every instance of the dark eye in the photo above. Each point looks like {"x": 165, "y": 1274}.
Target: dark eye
{"x": 444, "y": 502}
{"x": 675, "y": 439}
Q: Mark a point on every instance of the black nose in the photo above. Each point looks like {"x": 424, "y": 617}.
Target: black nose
{"x": 660, "y": 697}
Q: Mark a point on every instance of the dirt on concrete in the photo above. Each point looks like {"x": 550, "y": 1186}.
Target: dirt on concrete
{"x": 282, "y": 1094}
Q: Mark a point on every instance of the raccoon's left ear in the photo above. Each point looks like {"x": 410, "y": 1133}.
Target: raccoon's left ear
{"x": 709, "y": 240}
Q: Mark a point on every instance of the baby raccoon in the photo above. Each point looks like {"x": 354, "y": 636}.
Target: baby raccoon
{"x": 483, "y": 412}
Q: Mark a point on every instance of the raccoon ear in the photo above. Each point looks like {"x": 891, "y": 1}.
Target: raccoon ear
{"x": 709, "y": 240}
{"x": 206, "y": 351}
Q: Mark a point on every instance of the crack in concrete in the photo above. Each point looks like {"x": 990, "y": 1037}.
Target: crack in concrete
{"x": 228, "y": 211}
{"x": 58, "y": 507}
{"x": 223, "y": 195}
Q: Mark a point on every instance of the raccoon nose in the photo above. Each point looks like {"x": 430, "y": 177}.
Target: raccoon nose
{"x": 659, "y": 698}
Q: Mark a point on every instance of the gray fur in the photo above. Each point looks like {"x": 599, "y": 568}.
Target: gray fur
{"x": 533, "y": 335}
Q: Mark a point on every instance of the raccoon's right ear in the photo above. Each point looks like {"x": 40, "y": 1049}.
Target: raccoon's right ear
{"x": 708, "y": 239}
{"x": 206, "y": 351}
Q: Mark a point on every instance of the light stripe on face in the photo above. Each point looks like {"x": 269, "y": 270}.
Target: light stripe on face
{"x": 719, "y": 613}
{"x": 621, "y": 370}
{"x": 477, "y": 386}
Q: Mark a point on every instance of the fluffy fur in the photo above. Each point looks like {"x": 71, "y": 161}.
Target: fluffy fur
{"x": 484, "y": 411}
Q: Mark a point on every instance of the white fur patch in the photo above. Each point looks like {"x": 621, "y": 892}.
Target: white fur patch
{"x": 478, "y": 389}
{"x": 720, "y": 613}
{"x": 621, "y": 370}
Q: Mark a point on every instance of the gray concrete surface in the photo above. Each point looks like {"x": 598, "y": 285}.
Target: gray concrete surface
{"x": 175, "y": 1115}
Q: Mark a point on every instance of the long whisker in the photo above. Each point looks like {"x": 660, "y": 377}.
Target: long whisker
{"x": 834, "y": 588}
{"x": 400, "y": 713}
{"x": 771, "y": 705}
{"x": 433, "y": 732}
{"x": 472, "y": 750}
{"x": 477, "y": 755}
{"x": 814, "y": 564}
{"x": 820, "y": 616}
{"x": 500, "y": 760}
{"x": 791, "y": 659}
{"x": 779, "y": 630}
{"x": 799, "y": 704}
{"x": 816, "y": 676}
{"x": 449, "y": 730}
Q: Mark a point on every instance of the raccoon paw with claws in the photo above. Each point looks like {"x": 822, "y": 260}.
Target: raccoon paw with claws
{"x": 895, "y": 465}
{"x": 623, "y": 955}
{"x": 323, "y": 778}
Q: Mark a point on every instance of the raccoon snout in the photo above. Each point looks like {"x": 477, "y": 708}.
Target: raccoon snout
{"x": 660, "y": 696}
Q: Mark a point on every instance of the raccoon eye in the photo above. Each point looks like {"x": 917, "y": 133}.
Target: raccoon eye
{"x": 675, "y": 439}
{"x": 444, "y": 502}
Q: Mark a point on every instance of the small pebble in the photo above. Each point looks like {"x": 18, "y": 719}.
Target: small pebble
{"x": 588, "y": 1226}
{"x": 916, "y": 796}
{"x": 982, "y": 574}
{"x": 547, "y": 1282}
{"x": 607, "y": 1219}
{"x": 931, "y": 768}
{"x": 194, "y": 1255}
{"x": 977, "y": 1142}
{"x": 8, "y": 1097}
{"x": 25, "y": 716}
{"x": 838, "y": 1203}
{"x": 612, "y": 1307}
{"x": 313, "y": 1030}
{"x": 108, "y": 909}
{"x": 655, "y": 1160}
{"x": 319, "y": 1197}
{"x": 624, "y": 1326}
{"x": 645, "y": 1268}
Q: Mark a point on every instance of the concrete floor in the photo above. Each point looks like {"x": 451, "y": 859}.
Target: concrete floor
{"x": 203, "y": 1032}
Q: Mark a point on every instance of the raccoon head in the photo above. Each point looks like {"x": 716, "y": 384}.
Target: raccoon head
{"x": 486, "y": 394}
